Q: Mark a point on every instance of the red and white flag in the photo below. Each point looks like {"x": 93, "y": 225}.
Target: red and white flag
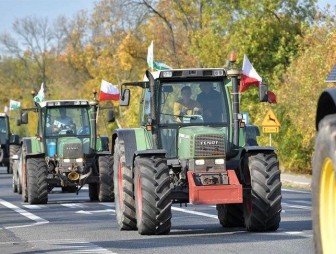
{"x": 108, "y": 92}
{"x": 249, "y": 76}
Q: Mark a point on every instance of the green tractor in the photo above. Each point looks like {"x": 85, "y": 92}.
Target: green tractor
{"x": 198, "y": 155}
{"x": 9, "y": 143}
{"x": 65, "y": 152}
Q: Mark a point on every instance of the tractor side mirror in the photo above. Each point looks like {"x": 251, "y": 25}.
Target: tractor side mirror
{"x": 110, "y": 116}
{"x": 125, "y": 97}
{"x": 263, "y": 93}
{"x": 24, "y": 118}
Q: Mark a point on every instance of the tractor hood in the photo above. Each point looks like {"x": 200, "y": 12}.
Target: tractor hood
{"x": 201, "y": 142}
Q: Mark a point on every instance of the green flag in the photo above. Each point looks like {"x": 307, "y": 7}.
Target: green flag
{"x": 161, "y": 66}
{"x": 40, "y": 95}
{"x": 14, "y": 105}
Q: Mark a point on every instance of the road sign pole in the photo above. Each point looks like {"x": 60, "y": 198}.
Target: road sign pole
{"x": 270, "y": 138}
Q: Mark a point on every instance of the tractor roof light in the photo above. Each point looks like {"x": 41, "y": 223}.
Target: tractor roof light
{"x": 233, "y": 56}
{"x": 218, "y": 73}
{"x": 167, "y": 74}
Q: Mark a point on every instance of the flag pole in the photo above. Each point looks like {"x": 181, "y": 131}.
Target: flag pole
{"x": 97, "y": 115}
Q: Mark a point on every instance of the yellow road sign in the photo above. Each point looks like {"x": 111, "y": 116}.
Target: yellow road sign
{"x": 270, "y": 129}
{"x": 270, "y": 120}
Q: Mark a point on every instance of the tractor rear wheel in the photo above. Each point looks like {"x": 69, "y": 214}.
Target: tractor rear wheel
{"x": 123, "y": 189}
{"x": 37, "y": 181}
{"x": 106, "y": 188}
{"x": 93, "y": 191}
{"x": 13, "y": 149}
{"x": 19, "y": 185}
{"x": 152, "y": 195}
{"x": 231, "y": 215}
{"x": 14, "y": 184}
{"x": 324, "y": 187}
{"x": 262, "y": 192}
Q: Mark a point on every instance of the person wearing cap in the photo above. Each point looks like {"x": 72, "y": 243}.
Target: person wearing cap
{"x": 186, "y": 105}
{"x": 63, "y": 121}
{"x": 210, "y": 99}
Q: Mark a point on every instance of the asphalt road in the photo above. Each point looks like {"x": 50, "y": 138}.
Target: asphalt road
{"x": 72, "y": 224}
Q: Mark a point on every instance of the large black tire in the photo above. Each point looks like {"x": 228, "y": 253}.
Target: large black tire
{"x": 106, "y": 187}
{"x": 19, "y": 186}
{"x": 152, "y": 195}
{"x": 23, "y": 179}
{"x": 324, "y": 186}
{"x": 262, "y": 192}
{"x": 37, "y": 184}
{"x": 123, "y": 189}
{"x": 93, "y": 191}
{"x": 14, "y": 183}
{"x": 13, "y": 149}
{"x": 231, "y": 215}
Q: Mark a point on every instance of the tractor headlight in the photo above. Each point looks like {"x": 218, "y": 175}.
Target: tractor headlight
{"x": 219, "y": 161}
{"x": 66, "y": 160}
{"x": 79, "y": 160}
{"x": 199, "y": 162}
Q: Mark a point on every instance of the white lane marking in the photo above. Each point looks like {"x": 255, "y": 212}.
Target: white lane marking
{"x": 294, "y": 232}
{"x": 297, "y": 206}
{"x": 96, "y": 211}
{"x": 78, "y": 246}
{"x": 33, "y": 207}
{"x": 302, "y": 202}
{"x": 194, "y": 212}
{"x": 38, "y": 220}
{"x": 72, "y": 205}
{"x": 64, "y": 245}
{"x": 297, "y": 191}
{"x": 108, "y": 204}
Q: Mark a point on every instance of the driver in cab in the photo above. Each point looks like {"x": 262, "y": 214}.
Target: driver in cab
{"x": 186, "y": 105}
{"x": 63, "y": 121}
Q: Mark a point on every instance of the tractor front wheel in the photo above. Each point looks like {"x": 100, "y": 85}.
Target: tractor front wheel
{"x": 13, "y": 149}
{"x": 324, "y": 186}
{"x": 262, "y": 192}
{"x": 37, "y": 181}
{"x": 123, "y": 189}
{"x": 231, "y": 215}
{"x": 152, "y": 195}
{"x": 106, "y": 193}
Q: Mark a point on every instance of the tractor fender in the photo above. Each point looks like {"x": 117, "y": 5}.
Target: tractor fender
{"x": 136, "y": 139}
{"x": 32, "y": 147}
{"x": 14, "y": 139}
{"x": 102, "y": 144}
{"x": 258, "y": 148}
{"x": 248, "y": 149}
{"x": 326, "y": 105}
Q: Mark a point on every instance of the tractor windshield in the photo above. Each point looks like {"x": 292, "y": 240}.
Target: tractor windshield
{"x": 66, "y": 125}
{"x": 3, "y": 130}
{"x": 67, "y": 121}
{"x": 189, "y": 103}
{"x": 192, "y": 102}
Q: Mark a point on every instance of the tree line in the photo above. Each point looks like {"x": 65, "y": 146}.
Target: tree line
{"x": 290, "y": 43}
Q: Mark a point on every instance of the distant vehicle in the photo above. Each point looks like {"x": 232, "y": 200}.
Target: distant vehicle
{"x": 66, "y": 154}
{"x": 9, "y": 143}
